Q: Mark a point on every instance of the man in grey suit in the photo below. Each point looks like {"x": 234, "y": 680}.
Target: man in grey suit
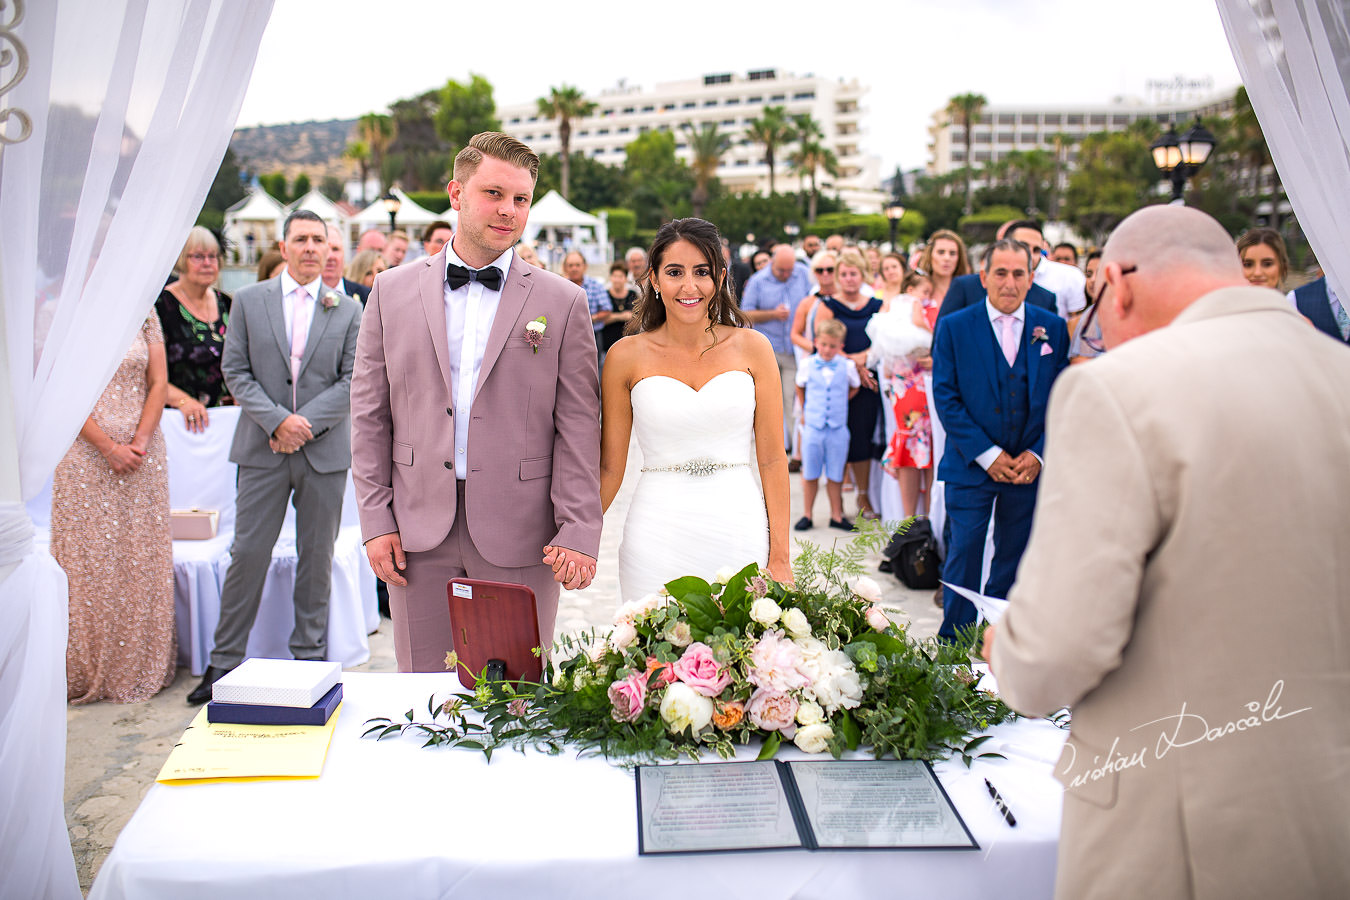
{"x": 288, "y": 361}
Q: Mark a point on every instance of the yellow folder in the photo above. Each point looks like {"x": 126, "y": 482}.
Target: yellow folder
{"x": 210, "y": 752}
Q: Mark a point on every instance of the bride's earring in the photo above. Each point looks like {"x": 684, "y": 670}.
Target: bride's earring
{"x": 657, "y": 293}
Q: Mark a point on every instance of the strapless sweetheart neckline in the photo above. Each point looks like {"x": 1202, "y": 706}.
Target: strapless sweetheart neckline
{"x": 696, "y": 390}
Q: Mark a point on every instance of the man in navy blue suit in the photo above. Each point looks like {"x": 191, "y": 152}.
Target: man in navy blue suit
{"x": 993, "y": 365}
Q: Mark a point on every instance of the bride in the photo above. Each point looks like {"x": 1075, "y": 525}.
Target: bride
{"x": 703, "y": 392}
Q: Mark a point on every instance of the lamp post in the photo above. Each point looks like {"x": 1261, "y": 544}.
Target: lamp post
{"x": 391, "y": 204}
{"x": 895, "y": 212}
{"x": 1179, "y": 157}
{"x": 792, "y": 229}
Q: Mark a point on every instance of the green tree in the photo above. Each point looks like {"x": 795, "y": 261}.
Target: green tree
{"x": 274, "y": 184}
{"x": 300, "y": 187}
{"x": 378, "y": 132}
{"x": 418, "y": 158}
{"x": 964, "y": 110}
{"x": 359, "y": 153}
{"x": 331, "y": 187}
{"x": 660, "y": 185}
{"x": 1061, "y": 142}
{"x": 811, "y": 156}
{"x": 227, "y": 189}
{"x": 937, "y": 198}
{"x": 1115, "y": 177}
{"x": 771, "y": 130}
{"x": 1250, "y": 143}
{"x": 565, "y": 103}
{"x": 707, "y": 144}
{"x": 1031, "y": 171}
{"x": 594, "y": 184}
{"x": 464, "y": 110}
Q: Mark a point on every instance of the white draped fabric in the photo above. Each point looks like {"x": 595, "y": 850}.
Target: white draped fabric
{"x": 114, "y": 116}
{"x": 1294, "y": 58}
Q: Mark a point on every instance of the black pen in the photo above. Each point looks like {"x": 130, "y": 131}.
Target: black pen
{"x": 1002, "y": 804}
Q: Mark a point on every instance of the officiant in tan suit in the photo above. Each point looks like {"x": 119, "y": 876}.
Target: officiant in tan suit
{"x": 288, "y": 362}
{"x": 476, "y": 415}
{"x": 1186, "y": 588}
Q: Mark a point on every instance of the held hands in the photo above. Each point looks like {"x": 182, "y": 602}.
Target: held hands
{"x": 1022, "y": 469}
{"x": 124, "y": 458}
{"x": 571, "y": 569}
{"x": 386, "y": 558}
{"x": 292, "y": 434}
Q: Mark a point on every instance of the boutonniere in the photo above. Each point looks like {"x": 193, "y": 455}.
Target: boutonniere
{"x": 534, "y": 332}
{"x": 1038, "y": 334}
{"x": 330, "y": 300}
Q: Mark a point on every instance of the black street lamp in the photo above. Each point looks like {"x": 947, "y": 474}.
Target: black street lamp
{"x": 792, "y": 229}
{"x": 391, "y": 204}
{"x": 895, "y": 212}
{"x": 1179, "y": 157}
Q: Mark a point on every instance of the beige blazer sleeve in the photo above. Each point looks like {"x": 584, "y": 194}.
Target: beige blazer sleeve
{"x": 1072, "y": 610}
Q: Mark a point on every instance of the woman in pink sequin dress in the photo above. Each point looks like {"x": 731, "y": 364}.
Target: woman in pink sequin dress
{"x": 110, "y": 532}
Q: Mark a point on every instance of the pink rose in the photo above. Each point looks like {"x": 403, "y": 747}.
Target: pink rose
{"x": 698, "y": 669}
{"x": 877, "y": 618}
{"x": 776, "y": 663}
{"x": 666, "y": 669}
{"x": 628, "y": 697}
{"x": 773, "y": 711}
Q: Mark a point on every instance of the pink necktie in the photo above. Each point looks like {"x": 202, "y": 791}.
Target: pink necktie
{"x": 1005, "y": 324}
{"x": 299, "y": 333}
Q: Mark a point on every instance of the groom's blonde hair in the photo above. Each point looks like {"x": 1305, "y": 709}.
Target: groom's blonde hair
{"x": 498, "y": 146}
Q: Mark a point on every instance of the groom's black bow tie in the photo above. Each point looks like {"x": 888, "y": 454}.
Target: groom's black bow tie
{"x": 458, "y": 276}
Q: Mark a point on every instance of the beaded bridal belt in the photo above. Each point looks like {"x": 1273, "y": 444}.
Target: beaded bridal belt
{"x": 698, "y": 467}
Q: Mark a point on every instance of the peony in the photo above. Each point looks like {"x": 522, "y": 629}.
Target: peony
{"x": 654, "y": 665}
{"x": 727, "y": 716}
{"x": 765, "y": 611}
{"x": 627, "y": 697}
{"x": 773, "y": 711}
{"x": 725, "y": 574}
{"x": 867, "y": 589}
{"x": 794, "y": 620}
{"x": 622, "y": 636}
{"x": 810, "y": 713}
{"x": 678, "y": 633}
{"x": 775, "y": 663}
{"x": 877, "y": 618}
{"x": 837, "y": 685}
{"x": 700, "y": 670}
{"x": 682, "y": 707}
{"x": 814, "y": 738}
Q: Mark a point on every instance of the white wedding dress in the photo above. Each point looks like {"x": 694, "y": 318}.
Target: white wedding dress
{"x": 698, "y": 506}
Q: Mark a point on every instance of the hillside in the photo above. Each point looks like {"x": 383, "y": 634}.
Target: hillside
{"x": 312, "y": 147}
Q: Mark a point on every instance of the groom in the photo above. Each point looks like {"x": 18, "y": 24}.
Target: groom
{"x": 476, "y": 439}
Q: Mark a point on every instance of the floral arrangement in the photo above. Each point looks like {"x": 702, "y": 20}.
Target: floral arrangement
{"x": 706, "y": 666}
{"x": 534, "y": 332}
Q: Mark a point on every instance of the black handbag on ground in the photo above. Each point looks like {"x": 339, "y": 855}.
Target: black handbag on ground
{"x": 913, "y": 555}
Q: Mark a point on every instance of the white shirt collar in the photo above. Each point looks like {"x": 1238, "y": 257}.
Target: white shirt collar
{"x": 502, "y": 262}
{"x": 289, "y": 284}
{"x": 1020, "y": 314}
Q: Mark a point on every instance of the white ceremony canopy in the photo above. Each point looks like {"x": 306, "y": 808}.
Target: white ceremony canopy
{"x": 258, "y": 216}
{"x": 411, "y": 217}
{"x": 553, "y": 217}
{"x": 321, "y": 206}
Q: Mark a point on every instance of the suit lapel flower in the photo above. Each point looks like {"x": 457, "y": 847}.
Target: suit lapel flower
{"x": 534, "y": 333}
{"x": 1038, "y": 334}
{"x": 330, "y": 300}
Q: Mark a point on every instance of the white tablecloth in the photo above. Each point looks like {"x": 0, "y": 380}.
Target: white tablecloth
{"x": 201, "y": 475}
{"x": 389, "y": 819}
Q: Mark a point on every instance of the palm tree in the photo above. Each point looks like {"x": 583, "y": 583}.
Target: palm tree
{"x": 708, "y": 144}
{"x": 359, "y": 153}
{"x": 773, "y": 129}
{"x": 1033, "y": 166}
{"x": 565, "y": 103}
{"x": 1251, "y": 142}
{"x": 964, "y": 110}
{"x": 378, "y": 132}
{"x": 1061, "y": 142}
{"x": 810, "y": 156}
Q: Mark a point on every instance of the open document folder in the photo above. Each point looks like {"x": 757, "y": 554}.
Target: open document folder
{"x": 223, "y": 752}
{"x": 990, "y": 608}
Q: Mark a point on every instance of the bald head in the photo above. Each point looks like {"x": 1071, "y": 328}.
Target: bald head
{"x": 1159, "y": 261}
{"x": 782, "y": 261}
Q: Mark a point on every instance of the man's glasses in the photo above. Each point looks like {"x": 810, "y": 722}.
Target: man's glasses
{"x": 1092, "y": 340}
{"x": 202, "y": 259}
{"x": 825, "y": 270}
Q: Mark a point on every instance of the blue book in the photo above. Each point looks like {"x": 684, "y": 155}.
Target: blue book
{"x": 252, "y": 714}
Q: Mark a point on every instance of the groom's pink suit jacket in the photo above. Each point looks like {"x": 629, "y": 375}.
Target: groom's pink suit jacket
{"x": 534, "y": 441}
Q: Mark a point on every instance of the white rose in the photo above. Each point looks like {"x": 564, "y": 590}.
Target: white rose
{"x": 536, "y": 326}
{"x": 682, "y": 707}
{"x": 725, "y": 574}
{"x": 678, "y": 633}
{"x": 794, "y": 620}
{"x": 814, "y": 738}
{"x": 765, "y": 611}
{"x": 867, "y": 589}
{"x": 622, "y": 635}
{"x": 877, "y": 618}
{"x": 836, "y": 683}
{"x": 650, "y": 603}
{"x": 810, "y": 713}
{"x": 597, "y": 651}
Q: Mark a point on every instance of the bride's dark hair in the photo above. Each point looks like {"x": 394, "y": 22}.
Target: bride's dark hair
{"x": 649, "y": 312}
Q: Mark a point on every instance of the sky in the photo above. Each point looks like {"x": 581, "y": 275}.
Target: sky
{"x": 913, "y": 54}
